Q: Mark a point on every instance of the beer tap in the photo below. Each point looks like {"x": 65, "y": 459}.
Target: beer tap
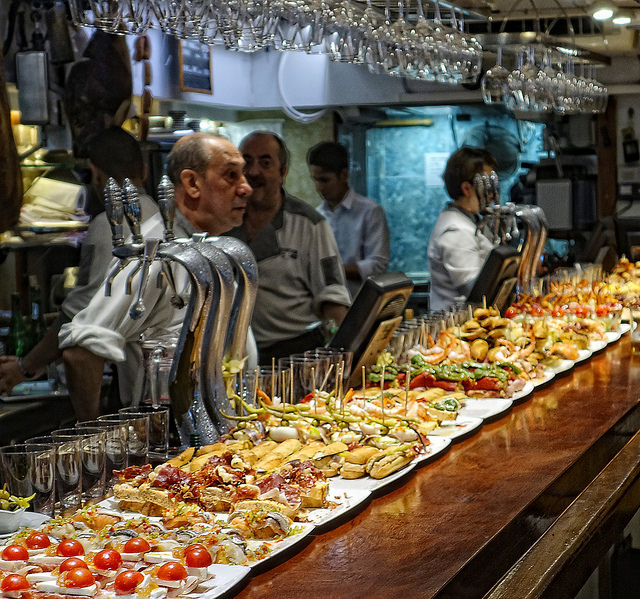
{"x": 167, "y": 206}
{"x": 114, "y": 209}
{"x": 133, "y": 214}
{"x": 150, "y": 251}
{"x": 246, "y": 275}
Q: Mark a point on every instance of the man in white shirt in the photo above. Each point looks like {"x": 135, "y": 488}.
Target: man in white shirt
{"x": 211, "y": 196}
{"x": 457, "y": 249}
{"x": 358, "y": 223}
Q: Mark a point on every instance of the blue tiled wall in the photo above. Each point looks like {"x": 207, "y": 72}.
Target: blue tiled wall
{"x": 396, "y": 165}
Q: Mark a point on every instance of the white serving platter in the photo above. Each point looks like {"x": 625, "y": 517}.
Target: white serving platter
{"x": 437, "y": 447}
{"x": 346, "y": 500}
{"x": 487, "y": 409}
{"x": 457, "y": 429}
{"x": 225, "y": 578}
{"x": 371, "y": 484}
{"x": 548, "y": 375}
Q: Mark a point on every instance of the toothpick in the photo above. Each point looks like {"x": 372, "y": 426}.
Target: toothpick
{"x": 364, "y": 383}
{"x": 315, "y": 390}
{"x": 470, "y": 312}
{"x": 484, "y": 302}
{"x": 336, "y": 385}
{"x": 407, "y": 381}
{"x": 291, "y": 383}
{"x": 341, "y": 371}
{"x": 273, "y": 379}
{"x": 284, "y": 386}
{"x": 382, "y": 393}
{"x": 326, "y": 378}
{"x": 255, "y": 388}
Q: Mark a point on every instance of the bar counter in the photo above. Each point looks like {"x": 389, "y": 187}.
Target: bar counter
{"x": 454, "y": 528}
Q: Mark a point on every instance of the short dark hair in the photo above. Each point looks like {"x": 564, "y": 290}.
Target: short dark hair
{"x": 117, "y": 154}
{"x": 283, "y": 152}
{"x": 330, "y": 156}
{"x": 190, "y": 152}
{"x": 463, "y": 165}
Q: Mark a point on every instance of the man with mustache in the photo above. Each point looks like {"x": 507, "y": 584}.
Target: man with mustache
{"x": 211, "y": 195}
{"x": 301, "y": 276}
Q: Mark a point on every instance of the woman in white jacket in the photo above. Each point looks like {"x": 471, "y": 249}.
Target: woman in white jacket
{"x": 457, "y": 249}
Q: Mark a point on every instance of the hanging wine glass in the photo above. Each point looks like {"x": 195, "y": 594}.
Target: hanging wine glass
{"x": 495, "y": 82}
{"x": 515, "y": 99}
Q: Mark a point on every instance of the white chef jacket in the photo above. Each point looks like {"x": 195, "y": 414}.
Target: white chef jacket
{"x": 457, "y": 252}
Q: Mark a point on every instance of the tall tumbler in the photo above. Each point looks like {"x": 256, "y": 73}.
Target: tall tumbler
{"x": 30, "y": 470}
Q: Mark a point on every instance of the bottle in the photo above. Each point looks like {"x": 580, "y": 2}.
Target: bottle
{"x": 38, "y": 327}
{"x": 18, "y": 335}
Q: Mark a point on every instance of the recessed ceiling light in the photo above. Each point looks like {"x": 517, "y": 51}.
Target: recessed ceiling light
{"x": 601, "y": 10}
{"x": 622, "y": 18}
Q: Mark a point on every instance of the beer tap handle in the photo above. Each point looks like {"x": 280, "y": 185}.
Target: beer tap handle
{"x": 167, "y": 206}
{"x": 150, "y": 251}
{"x": 166, "y": 271}
{"x": 112, "y": 275}
{"x": 132, "y": 209}
{"x": 114, "y": 210}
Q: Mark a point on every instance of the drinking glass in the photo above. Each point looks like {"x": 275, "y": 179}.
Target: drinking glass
{"x": 116, "y": 436}
{"x": 29, "y": 470}
{"x": 68, "y": 464}
{"x": 140, "y": 429}
{"x": 297, "y": 376}
{"x": 92, "y": 452}
{"x": 495, "y": 82}
{"x": 340, "y": 359}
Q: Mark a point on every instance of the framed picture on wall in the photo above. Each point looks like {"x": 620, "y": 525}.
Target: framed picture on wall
{"x": 195, "y": 67}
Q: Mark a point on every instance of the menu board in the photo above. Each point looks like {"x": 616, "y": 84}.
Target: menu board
{"x": 195, "y": 67}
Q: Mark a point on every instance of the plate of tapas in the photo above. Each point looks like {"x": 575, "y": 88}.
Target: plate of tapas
{"x": 371, "y": 484}
{"x": 342, "y": 503}
{"x": 597, "y": 345}
{"x": 458, "y": 429}
{"x": 613, "y": 336}
{"x": 583, "y": 355}
{"x": 437, "y": 447}
{"x": 547, "y": 375}
{"x": 262, "y": 553}
{"x": 523, "y": 393}
{"x": 487, "y": 409}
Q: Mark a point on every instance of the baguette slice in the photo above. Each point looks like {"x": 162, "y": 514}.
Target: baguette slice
{"x": 276, "y": 457}
{"x": 266, "y": 505}
{"x": 391, "y": 460}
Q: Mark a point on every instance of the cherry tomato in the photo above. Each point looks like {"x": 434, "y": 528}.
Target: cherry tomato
{"x": 172, "y": 571}
{"x": 126, "y": 582}
{"x": 603, "y": 310}
{"x": 71, "y": 563}
{"x": 37, "y": 540}
{"x": 582, "y": 312}
{"x": 14, "y": 582}
{"x": 510, "y": 312}
{"x": 557, "y": 312}
{"x": 136, "y": 545}
{"x": 107, "y": 559}
{"x": 197, "y": 556}
{"x": 69, "y": 548}
{"x": 78, "y": 578}
{"x": 15, "y": 552}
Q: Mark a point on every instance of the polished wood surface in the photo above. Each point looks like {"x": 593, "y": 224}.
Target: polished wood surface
{"x": 455, "y": 527}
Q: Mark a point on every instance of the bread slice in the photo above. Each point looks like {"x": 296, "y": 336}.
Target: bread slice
{"x": 266, "y": 505}
{"x": 277, "y": 456}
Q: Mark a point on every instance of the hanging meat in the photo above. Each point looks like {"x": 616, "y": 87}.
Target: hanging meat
{"x": 10, "y": 176}
{"x": 98, "y": 90}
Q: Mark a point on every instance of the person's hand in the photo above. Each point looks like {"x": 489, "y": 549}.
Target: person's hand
{"x": 10, "y": 374}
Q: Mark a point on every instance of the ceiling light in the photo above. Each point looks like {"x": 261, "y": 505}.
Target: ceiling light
{"x": 601, "y": 10}
{"x": 623, "y": 17}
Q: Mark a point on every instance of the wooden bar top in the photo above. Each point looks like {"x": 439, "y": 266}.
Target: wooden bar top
{"x": 454, "y": 528}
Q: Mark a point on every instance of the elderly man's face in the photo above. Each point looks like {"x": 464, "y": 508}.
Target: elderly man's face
{"x": 263, "y": 169}
{"x": 224, "y": 190}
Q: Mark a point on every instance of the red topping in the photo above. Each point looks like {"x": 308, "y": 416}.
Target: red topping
{"x": 107, "y": 559}
{"x": 169, "y": 476}
{"x": 172, "y": 571}
{"x": 12, "y": 553}
{"x": 197, "y": 556}
{"x": 37, "y": 540}
{"x": 136, "y": 545}
{"x": 14, "y": 582}
{"x": 77, "y": 578}
{"x": 69, "y": 548}
{"x": 126, "y": 582}
{"x": 71, "y": 563}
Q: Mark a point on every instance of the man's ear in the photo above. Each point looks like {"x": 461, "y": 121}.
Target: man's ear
{"x": 466, "y": 189}
{"x": 343, "y": 176}
{"x": 191, "y": 183}
{"x": 284, "y": 170}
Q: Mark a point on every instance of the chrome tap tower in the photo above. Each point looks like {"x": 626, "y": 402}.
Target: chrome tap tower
{"x": 223, "y": 277}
